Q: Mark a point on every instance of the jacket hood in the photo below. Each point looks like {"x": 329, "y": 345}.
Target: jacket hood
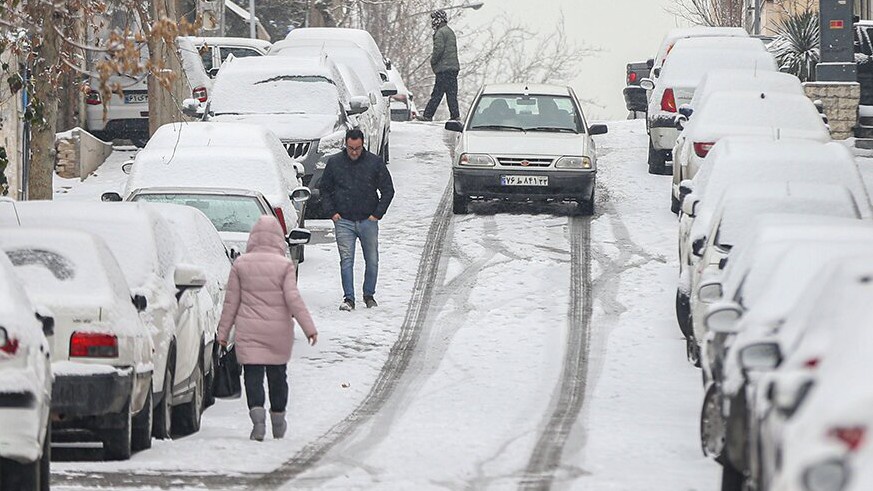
{"x": 267, "y": 236}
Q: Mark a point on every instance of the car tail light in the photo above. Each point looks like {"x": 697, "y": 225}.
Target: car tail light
{"x": 702, "y": 148}
{"x": 668, "y": 101}
{"x": 93, "y": 98}
{"x": 632, "y": 77}
{"x": 93, "y": 345}
{"x": 7, "y": 345}
{"x": 199, "y": 93}
{"x": 811, "y": 363}
{"x": 852, "y": 437}
{"x": 280, "y": 215}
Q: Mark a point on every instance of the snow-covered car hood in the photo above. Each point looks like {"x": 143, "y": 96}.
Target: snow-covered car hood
{"x": 519, "y": 143}
{"x": 287, "y": 126}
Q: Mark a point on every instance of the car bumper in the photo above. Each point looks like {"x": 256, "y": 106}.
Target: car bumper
{"x": 663, "y": 132}
{"x": 635, "y": 98}
{"x": 21, "y": 441}
{"x": 83, "y": 396}
{"x": 486, "y": 183}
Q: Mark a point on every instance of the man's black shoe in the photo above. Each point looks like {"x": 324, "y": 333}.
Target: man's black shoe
{"x": 423, "y": 118}
{"x": 347, "y": 305}
{"x": 370, "y": 302}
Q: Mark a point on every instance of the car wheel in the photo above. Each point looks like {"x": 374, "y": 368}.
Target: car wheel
{"x": 731, "y": 479}
{"x": 683, "y": 314}
{"x": 187, "y": 416}
{"x": 459, "y": 204}
{"x": 163, "y": 416}
{"x": 387, "y": 151}
{"x": 45, "y": 466}
{"x": 209, "y": 381}
{"x": 674, "y": 204}
{"x": 657, "y": 160}
{"x": 692, "y": 352}
{"x": 17, "y": 476}
{"x": 142, "y": 424}
{"x": 117, "y": 441}
{"x": 712, "y": 430}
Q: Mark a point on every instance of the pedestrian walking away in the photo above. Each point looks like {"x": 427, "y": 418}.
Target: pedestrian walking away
{"x": 356, "y": 190}
{"x": 261, "y": 304}
{"x": 445, "y": 65}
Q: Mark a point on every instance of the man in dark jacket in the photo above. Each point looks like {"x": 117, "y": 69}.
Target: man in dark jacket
{"x": 445, "y": 64}
{"x": 356, "y": 190}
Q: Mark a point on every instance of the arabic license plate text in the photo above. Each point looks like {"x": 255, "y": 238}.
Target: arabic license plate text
{"x": 524, "y": 180}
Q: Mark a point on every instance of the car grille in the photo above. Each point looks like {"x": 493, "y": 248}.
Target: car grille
{"x": 523, "y": 162}
{"x": 297, "y": 150}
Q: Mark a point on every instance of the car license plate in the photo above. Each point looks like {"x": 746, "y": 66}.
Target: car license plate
{"x": 524, "y": 180}
{"x": 136, "y": 98}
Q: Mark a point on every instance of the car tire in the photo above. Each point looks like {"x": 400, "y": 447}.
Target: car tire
{"x": 162, "y": 425}
{"x": 186, "y": 417}
{"x": 712, "y": 431}
{"x": 731, "y": 479}
{"x": 142, "y": 424}
{"x": 386, "y": 151}
{"x": 460, "y": 204}
{"x": 683, "y": 314}
{"x": 117, "y": 441}
{"x": 17, "y": 476}
{"x": 209, "y": 380}
{"x": 45, "y": 462}
{"x": 657, "y": 160}
{"x": 674, "y": 204}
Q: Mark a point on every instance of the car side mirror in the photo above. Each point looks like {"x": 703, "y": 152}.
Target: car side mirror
{"x": 656, "y": 72}
{"x": 686, "y": 110}
{"x": 697, "y": 246}
{"x": 301, "y": 194}
{"x": 710, "y": 292}
{"x": 127, "y": 167}
{"x": 299, "y": 169}
{"x": 722, "y": 263}
{"x": 110, "y": 197}
{"x": 689, "y": 206}
{"x": 48, "y": 324}
{"x": 213, "y": 72}
{"x": 598, "y": 129}
{"x": 686, "y": 187}
{"x": 455, "y": 126}
{"x": 299, "y": 236}
{"x": 788, "y": 393}
{"x": 761, "y": 356}
{"x": 679, "y": 122}
{"x": 191, "y": 108}
{"x": 647, "y": 84}
{"x": 188, "y": 277}
{"x": 650, "y": 63}
{"x": 723, "y": 318}
{"x": 140, "y": 303}
{"x": 389, "y": 89}
{"x": 357, "y": 105}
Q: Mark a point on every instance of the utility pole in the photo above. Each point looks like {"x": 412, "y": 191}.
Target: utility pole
{"x": 253, "y": 32}
{"x": 837, "y": 42}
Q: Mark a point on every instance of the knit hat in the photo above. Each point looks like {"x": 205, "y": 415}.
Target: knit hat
{"x": 438, "y": 18}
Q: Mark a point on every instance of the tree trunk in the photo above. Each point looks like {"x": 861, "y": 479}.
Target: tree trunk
{"x": 42, "y": 156}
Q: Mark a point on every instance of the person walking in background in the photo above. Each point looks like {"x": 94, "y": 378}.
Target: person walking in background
{"x": 356, "y": 190}
{"x": 445, "y": 65}
{"x": 262, "y": 303}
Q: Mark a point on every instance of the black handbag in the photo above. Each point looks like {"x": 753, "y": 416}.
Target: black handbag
{"x": 227, "y": 375}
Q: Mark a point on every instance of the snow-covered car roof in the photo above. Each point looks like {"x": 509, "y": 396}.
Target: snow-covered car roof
{"x": 208, "y": 134}
{"x": 258, "y": 44}
{"x": 278, "y": 85}
{"x": 692, "y": 58}
{"x": 16, "y": 310}
{"x": 530, "y": 89}
{"x": 751, "y": 113}
{"x": 192, "y": 64}
{"x": 741, "y": 203}
{"x": 358, "y": 36}
{"x": 691, "y": 32}
{"x": 244, "y": 167}
{"x": 140, "y": 239}
{"x": 745, "y": 80}
{"x": 349, "y": 55}
{"x": 65, "y": 268}
{"x": 395, "y": 77}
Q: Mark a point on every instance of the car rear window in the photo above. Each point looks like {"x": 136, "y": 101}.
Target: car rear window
{"x": 526, "y": 113}
{"x": 227, "y": 213}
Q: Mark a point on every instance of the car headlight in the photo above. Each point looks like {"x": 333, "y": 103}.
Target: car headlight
{"x": 476, "y": 159}
{"x": 829, "y": 475}
{"x": 574, "y": 163}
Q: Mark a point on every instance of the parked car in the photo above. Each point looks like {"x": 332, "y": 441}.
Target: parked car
{"x": 102, "y": 354}
{"x": 770, "y": 114}
{"x": 525, "y": 142}
{"x": 359, "y": 37}
{"x": 635, "y": 97}
{"x": 403, "y": 102}
{"x": 215, "y": 50}
{"x": 194, "y": 69}
{"x": 143, "y": 242}
{"x": 743, "y": 80}
{"x": 675, "y": 35}
{"x": 212, "y": 156}
{"x": 25, "y": 386}
{"x": 689, "y": 61}
{"x": 299, "y": 100}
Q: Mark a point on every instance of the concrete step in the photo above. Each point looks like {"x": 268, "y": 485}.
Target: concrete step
{"x": 862, "y": 131}
{"x": 864, "y": 143}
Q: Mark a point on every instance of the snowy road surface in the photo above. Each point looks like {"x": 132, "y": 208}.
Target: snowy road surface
{"x": 521, "y": 349}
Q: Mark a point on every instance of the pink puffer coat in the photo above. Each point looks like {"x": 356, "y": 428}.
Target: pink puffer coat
{"x": 262, "y": 298}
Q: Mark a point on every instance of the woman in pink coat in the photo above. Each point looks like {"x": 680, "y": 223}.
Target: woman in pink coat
{"x": 262, "y": 302}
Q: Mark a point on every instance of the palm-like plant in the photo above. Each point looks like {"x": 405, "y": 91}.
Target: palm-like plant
{"x": 797, "y": 44}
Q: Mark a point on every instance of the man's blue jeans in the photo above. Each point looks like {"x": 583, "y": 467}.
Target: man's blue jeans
{"x": 347, "y": 234}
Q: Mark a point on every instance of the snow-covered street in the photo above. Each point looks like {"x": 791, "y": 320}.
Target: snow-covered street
{"x": 524, "y": 348}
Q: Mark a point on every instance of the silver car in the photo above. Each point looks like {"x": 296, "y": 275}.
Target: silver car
{"x": 525, "y": 142}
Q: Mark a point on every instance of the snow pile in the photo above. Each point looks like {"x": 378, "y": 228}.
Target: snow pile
{"x": 359, "y": 37}
{"x": 192, "y": 64}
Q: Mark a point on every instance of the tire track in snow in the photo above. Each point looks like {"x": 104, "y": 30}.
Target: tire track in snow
{"x": 569, "y": 394}
{"x": 396, "y": 364}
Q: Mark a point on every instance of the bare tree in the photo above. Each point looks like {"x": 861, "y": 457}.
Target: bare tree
{"x": 722, "y": 13}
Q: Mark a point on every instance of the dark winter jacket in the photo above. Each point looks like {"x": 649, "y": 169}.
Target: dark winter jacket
{"x": 445, "y": 51}
{"x": 349, "y": 187}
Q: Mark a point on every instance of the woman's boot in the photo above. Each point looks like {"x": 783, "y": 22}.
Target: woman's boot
{"x": 279, "y": 425}
{"x": 259, "y": 423}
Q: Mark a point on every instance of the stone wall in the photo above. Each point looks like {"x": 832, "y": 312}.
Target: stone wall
{"x": 79, "y": 153}
{"x": 840, "y": 100}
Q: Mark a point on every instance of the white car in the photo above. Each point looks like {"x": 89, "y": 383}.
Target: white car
{"x": 716, "y": 81}
{"x": 403, "y": 102}
{"x": 25, "y": 386}
{"x": 525, "y": 142}
{"x": 675, "y": 35}
{"x": 772, "y": 115}
{"x": 302, "y": 101}
{"x": 359, "y": 37}
{"x": 215, "y": 50}
{"x": 143, "y": 242}
{"x": 689, "y": 61}
{"x": 102, "y": 353}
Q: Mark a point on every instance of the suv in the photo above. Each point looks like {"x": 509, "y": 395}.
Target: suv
{"x": 215, "y": 50}
{"x": 525, "y": 142}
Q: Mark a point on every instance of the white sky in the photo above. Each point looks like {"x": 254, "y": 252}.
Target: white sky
{"x": 625, "y": 30}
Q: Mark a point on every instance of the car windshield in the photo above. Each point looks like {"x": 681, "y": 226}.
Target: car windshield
{"x": 241, "y": 93}
{"x": 227, "y": 213}
{"x": 526, "y": 113}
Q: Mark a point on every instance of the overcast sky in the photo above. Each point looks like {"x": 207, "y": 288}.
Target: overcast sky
{"x": 625, "y": 30}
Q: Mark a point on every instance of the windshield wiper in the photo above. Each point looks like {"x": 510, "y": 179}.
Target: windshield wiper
{"x": 497, "y": 127}
{"x": 552, "y": 128}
